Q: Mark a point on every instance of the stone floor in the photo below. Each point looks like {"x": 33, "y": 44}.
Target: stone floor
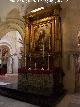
{"x": 72, "y": 100}
{"x": 69, "y": 100}
{"x": 8, "y": 102}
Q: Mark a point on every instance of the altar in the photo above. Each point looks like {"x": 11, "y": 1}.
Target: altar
{"x": 42, "y": 52}
{"x": 41, "y": 81}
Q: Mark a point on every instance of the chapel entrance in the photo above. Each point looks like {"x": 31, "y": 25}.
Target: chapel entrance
{"x": 11, "y": 45}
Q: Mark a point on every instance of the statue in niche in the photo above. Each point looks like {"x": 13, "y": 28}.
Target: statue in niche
{"x": 42, "y": 43}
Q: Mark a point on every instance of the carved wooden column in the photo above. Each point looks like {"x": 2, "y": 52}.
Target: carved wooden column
{"x": 26, "y": 41}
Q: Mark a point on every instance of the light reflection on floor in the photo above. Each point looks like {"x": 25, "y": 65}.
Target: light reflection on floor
{"x": 4, "y": 83}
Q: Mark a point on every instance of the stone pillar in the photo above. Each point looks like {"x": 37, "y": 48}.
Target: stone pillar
{"x": 9, "y": 65}
{"x": 15, "y": 64}
{"x": 69, "y": 69}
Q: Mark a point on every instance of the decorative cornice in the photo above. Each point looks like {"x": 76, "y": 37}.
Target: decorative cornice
{"x": 46, "y": 12}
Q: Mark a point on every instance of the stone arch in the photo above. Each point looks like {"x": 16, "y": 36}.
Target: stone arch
{"x": 6, "y": 44}
{"x": 14, "y": 13}
{"x": 13, "y": 21}
{"x": 11, "y": 26}
{"x": 11, "y": 57}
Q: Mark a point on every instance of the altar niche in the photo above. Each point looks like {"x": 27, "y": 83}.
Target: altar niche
{"x": 43, "y": 38}
{"x": 43, "y": 51}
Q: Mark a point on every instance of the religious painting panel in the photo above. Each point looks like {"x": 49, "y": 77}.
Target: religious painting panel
{"x": 41, "y": 42}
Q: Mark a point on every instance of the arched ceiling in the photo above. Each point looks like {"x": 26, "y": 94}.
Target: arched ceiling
{"x": 11, "y": 15}
{"x": 7, "y": 8}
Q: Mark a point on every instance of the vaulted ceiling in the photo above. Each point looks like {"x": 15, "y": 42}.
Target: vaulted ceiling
{"x": 10, "y": 9}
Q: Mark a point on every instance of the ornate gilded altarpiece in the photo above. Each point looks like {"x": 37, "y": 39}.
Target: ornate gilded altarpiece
{"x": 43, "y": 42}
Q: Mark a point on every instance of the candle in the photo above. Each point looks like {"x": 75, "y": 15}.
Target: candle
{"x": 35, "y": 65}
{"x": 30, "y": 57}
{"x": 43, "y": 49}
{"x": 48, "y": 61}
{"x": 49, "y": 43}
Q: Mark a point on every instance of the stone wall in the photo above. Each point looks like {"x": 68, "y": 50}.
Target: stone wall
{"x": 70, "y": 16}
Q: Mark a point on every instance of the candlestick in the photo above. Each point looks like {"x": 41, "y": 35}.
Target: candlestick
{"x": 35, "y": 65}
{"x": 34, "y": 45}
{"x": 30, "y": 57}
{"x": 49, "y": 43}
{"x": 30, "y": 61}
{"x": 43, "y": 49}
{"x": 29, "y": 69}
{"x": 42, "y": 68}
{"x": 48, "y": 61}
